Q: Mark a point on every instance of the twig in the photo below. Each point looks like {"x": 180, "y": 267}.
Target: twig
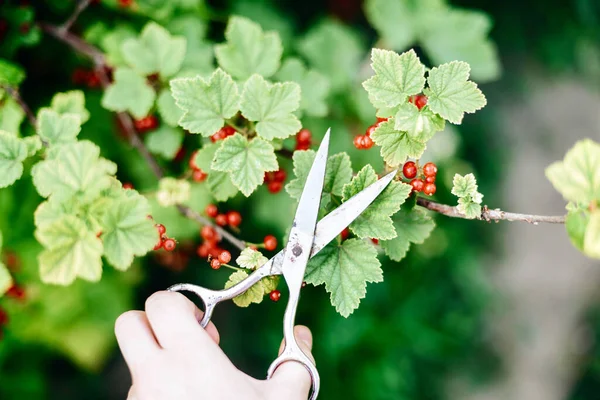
{"x": 490, "y": 215}
{"x": 127, "y": 124}
{"x": 81, "y": 5}
{"x": 14, "y": 93}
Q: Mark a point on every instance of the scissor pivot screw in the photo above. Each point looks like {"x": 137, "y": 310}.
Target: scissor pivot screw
{"x": 297, "y": 250}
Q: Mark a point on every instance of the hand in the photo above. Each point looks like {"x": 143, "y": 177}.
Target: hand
{"x": 170, "y": 356}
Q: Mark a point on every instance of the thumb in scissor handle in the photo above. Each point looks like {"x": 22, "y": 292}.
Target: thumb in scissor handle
{"x": 293, "y": 352}
{"x": 209, "y": 299}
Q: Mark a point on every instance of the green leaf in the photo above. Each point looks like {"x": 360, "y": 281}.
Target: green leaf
{"x": 127, "y": 230}
{"x": 469, "y": 208}
{"x": 271, "y": 106}
{"x": 345, "y": 270}
{"x": 172, "y": 191}
{"x": 112, "y": 44}
{"x": 55, "y": 128}
{"x": 314, "y": 86}
{"x": 165, "y": 141}
{"x": 375, "y": 221}
{"x": 396, "y": 77}
{"x": 249, "y": 50}
{"x": 335, "y": 50}
{"x": 167, "y": 108}
{"x": 464, "y": 186}
{"x": 576, "y": 224}
{"x": 199, "y": 55}
{"x": 251, "y": 259}
{"x": 337, "y": 174}
{"x": 577, "y": 177}
{"x": 11, "y": 116}
{"x": 396, "y": 146}
{"x": 591, "y": 243}
{"x": 71, "y": 102}
{"x": 412, "y": 226}
{"x": 206, "y": 105}
{"x": 129, "y": 92}
{"x": 451, "y": 94}
{"x": 74, "y": 169}
{"x": 11, "y": 74}
{"x": 394, "y": 21}
{"x": 33, "y": 143}
{"x": 6, "y": 280}
{"x": 12, "y": 153}
{"x": 246, "y": 161}
{"x": 219, "y": 183}
{"x": 270, "y": 283}
{"x": 419, "y": 124}
{"x": 253, "y": 295}
{"x": 71, "y": 251}
{"x": 155, "y": 51}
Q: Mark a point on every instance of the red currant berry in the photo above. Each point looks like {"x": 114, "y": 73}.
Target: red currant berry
{"x": 145, "y": 124}
{"x": 430, "y": 169}
{"x": 429, "y": 189}
{"x": 304, "y": 136}
{"x": 420, "y": 101}
{"x": 180, "y": 155}
{"x": 345, "y": 233}
{"x": 16, "y": 292}
{"x": 215, "y": 263}
{"x": 370, "y": 130}
{"x": 209, "y": 234}
{"x": 3, "y": 317}
{"x": 199, "y": 176}
{"x": 358, "y": 142}
{"x": 169, "y": 244}
{"x": 279, "y": 175}
{"x": 275, "y": 295}
{"x": 93, "y": 81}
{"x": 375, "y": 241}
{"x": 270, "y": 242}
{"x": 221, "y": 219}
{"x": 430, "y": 179}
{"x": 203, "y": 250}
{"x": 275, "y": 187}
{"x": 417, "y": 185}
{"x": 224, "y": 257}
{"x": 410, "y": 170}
{"x": 381, "y": 119}
{"x": 234, "y": 218}
{"x": 302, "y": 146}
{"x": 161, "y": 229}
{"x": 125, "y": 3}
{"x": 211, "y": 210}
{"x": 127, "y": 186}
{"x": 192, "y": 162}
{"x": 158, "y": 244}
{"x": 367, "y": 142}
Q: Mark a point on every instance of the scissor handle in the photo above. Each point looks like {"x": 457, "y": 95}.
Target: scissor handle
{"x": 211, "y": 298}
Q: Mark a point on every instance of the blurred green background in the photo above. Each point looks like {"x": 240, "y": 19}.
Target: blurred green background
{"x": 479, "y": 311}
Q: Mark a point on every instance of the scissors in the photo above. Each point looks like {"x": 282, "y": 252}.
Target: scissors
{"x": 306, "y": 239}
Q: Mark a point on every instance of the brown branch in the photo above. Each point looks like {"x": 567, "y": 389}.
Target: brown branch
{"x": 127, "y": 123}
{"x": 490, "y": 215}
{"x": 81, "y": 5}
{"x": 14, "y": 93}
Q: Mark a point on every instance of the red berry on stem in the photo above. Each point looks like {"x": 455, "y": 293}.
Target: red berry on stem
{"x": 221, "y": 219}
{"x": 215, "y": 263}
{"x": 410, "y": 170}
{"x": 420, "y": 101}
{"x": 345, "y": 233}
{"x": 367, "y": 142}
{"x": 145, "y": 124}
{"x": 125, "y": 3}
{"x": 158, "y": 244}
{"x": 429, "y": 189}
{"x": 417, "y": 185}
{"x": 199, "y": 176}
{"x": 209, "y": 233}
{"x": 358, "y": 142}
{"x": 192, "y": 162}
{"x": 370, "y": 130}
{"x": 275, "y": 295}
{"x": 304, "y": 136}
{"x": 203, "y": 250}
{"x": 234, "y": 218}
{"x": 16, "y": 292}
{"x": 127, "y": 186}
{"x": 275, "y": 187}
{"x": 211, "y": 210}
{"x": 430, "y": 169}
{"x": 430, "y": 179}
{"x": 302, "y": 146}
{"x": 381, "y": 119}
{"x": 270, "y": 242}
{"x": 161, "y": 229}
{"x": 224, "y": 257}
{"x": 279, "y": 175}
{"x": 375, "y": 241}
{"x": 169, "y": 244}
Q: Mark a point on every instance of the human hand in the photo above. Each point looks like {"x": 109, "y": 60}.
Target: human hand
{"x": 170, "y": 356}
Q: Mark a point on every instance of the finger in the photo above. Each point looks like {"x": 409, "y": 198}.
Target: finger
{"x": 131, "y": 394}
{"x": 174, "y": 320}
{"x": 291, "y": 380}
{"x": 135, "y": 338}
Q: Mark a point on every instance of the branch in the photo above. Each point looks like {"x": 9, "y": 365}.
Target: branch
{"x": 82, "y": 5}
{"x": 126, "y": 121}
{"x": 14, "y": 93}
{"x": 490, "y": 215}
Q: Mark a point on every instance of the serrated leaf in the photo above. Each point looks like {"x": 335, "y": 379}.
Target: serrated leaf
{"x": 246, "y": 161}
{"x": 253, "y": 295}
{"x": 337, "y": 174}
{"x": 165, "y": 141}
{"x": 12, "y": 153}
{"x": 394, "y": 21}
{"x": 127, "y": 230}
{"x": 396, "y": 77}
{"x": 33, "y": 143}
{"x": 314, "y": 86}
{"x": 468, "y": 207}
{"x": 577, "y": 177}
{"x": 270, "y": 283}
{"x": 220, "y": 185}
{"x": 167, "y": 108}
{"x": 55, "y": 128}
{"x": 11, "y": 116}
{"x": 112, "y": 44}
{"x": 591, "y": 243}
{"x": 412, "y": 226}
{"x": 11, "y": 74}
{"x": 172, "y": 191}
{"x": 419, "y": 124}
{"x": 6, "y": 280}
{"x": 129, "y": 92}
{"x": 74, "y": 169}
{"x": 206, "y": 104}
{"x": 199, "y": 55}
{"x": 71, "y": 102}
{"x": 375, "y": 221}
{"x": 345, "y": 269}
{"x": 576, "y": 224}
{"x": 155, "y": 51}
{"x": 396, "y": 146}
{"x": 71, "y": 251}
{"x": 249, "y": 50}
{"x": 450, "y": 93}
{"x": 271, "y": 106}
{"x": 464, "y": 185}
{"x": 251, "y": 259}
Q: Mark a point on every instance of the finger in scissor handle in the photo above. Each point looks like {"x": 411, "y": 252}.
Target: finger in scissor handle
{"x": 205, "y": 295}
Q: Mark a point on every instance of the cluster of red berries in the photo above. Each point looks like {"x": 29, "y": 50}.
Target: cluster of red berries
{"x": 429, "y": 173}
{"x": 222, "y": 133}
{"x": 303, "y": 139}
{"x": 125, "y": 3}
{"x": 209, "y": 249}
{"x": 419, "y": 100}
{"x": 16, "y": 292}
{"x": 364, "y": 142}
{"x": 275, "y": 180}
{"x": 146, "y": 124}
{"x": 164, "y": 241}
{"x": 86, "y": 77}
{"x": 231, "y": 218}
{"x": 198, "y": 175}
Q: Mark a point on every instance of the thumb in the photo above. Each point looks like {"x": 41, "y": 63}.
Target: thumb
{"x": 291, "y": 380}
